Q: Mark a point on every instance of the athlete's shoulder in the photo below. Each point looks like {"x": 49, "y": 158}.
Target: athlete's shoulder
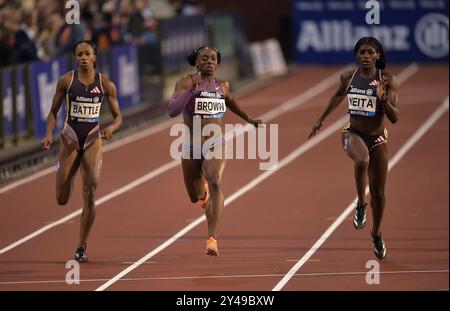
{"x": 104, "y": 79}
{"x": 65, "y": 80}
{"x": 347, "y": 75}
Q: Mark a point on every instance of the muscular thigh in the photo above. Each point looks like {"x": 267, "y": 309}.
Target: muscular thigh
{"x": 91, "y": 163}
{"x": 68, "y": 161}
{"x": 213, "y": 168}
{"x": 378, "y": 165}
{"x": 193, "y": 179}
{"x": 354, "y": 146}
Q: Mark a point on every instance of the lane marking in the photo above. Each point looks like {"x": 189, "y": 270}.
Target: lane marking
{"x": 238, "y": 276}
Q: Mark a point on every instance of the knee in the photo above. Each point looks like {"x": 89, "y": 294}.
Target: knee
{"x": 377, "y": 194}
{"x": 195, "y": 198}
{"x": 61, "y": 197}
{"x": 215, "y": 184}
{"x": 62, "y": 200}
{"x": 362, "y": 164}
{"x": 89, "y": 192}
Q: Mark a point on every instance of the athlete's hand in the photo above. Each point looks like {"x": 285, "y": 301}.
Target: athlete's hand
{"x": 316, "y": 127}
{"x": 381, "y": 88}
{"x": 107, "y": 134}
{"x": 47, "y": 142}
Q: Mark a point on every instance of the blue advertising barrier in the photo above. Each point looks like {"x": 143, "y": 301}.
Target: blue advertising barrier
{"x": 410, "y": 30}
{"x": 44, "y": 77}
{"x": 125, "y": 75}
{"x": 7, "y": 103}
{"x": 20, "y": 99}
{"x": 179, "y": 36}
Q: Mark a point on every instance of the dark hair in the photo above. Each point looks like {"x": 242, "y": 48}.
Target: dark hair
{"x": 92, "y": 44}
{"x": 381, "y": 63}
{"x": 193, "y": 56}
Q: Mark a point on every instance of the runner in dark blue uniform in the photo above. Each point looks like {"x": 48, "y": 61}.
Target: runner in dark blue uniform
{"x": 80, "y": 143}
{"x": 372, "y": 95}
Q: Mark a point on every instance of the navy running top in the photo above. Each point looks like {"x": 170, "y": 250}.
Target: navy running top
{"x": 84, "y": 102}
{"x": 362, "y": 95}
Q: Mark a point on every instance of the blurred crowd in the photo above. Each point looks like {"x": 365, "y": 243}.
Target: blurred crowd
{"x": 37, "y": 29}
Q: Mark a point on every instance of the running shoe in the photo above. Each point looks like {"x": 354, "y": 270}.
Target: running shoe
{"x": 80, "y": 254}
{"x": 211, "y": 247}
{"x": 379, "y": 247}
{"x": 359, "y": 220}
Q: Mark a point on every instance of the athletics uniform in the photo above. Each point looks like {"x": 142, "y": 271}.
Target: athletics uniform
{"x": 363, "y": 101}
{"x": 208, "y": 102}
{"x": 83, "y": 104}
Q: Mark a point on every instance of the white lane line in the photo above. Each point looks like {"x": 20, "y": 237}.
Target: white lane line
{"x": 443, "y": 108}
{"x": 283, "y": 108}
{"x": 237, "y": 276}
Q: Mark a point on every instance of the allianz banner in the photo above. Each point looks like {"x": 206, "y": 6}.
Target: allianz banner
{"x": 125, "y": 75}
{"x": 410, "y": 30}
{"x": 44, "y": 77}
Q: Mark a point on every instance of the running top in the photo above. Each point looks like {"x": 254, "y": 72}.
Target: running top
{"x": 362, "y": 95}
{"x": 208, "y": 101}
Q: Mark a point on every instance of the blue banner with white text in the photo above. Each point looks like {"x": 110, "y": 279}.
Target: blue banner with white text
{"x": 7, "y": 103}
{"x": 125, "y": 74}
{"x": 325, "y": 31}
{"x": 43, "y": 85}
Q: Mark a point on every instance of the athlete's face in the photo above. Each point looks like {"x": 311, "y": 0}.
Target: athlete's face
{"x": 85, "y": 56}
{"x": 367, "y": 56}
{"x": 207, "y": 61}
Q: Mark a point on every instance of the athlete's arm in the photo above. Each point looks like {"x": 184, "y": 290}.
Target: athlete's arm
{"x": 233, "y": 106}
{"x": 111, "y": 94}
{"x": 184, "y": 90}
{"x": 388, "y": 90}
{"x": 61, "y": 89}
{"x": 334, "y": 101}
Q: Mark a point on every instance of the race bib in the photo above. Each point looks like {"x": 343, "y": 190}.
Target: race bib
{"x": 362, "y": 105}
{"x": 209, "y": 106}
{"x": 85, "y": 112}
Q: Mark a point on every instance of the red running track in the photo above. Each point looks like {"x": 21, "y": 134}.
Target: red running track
{"x": 269, "y": 225}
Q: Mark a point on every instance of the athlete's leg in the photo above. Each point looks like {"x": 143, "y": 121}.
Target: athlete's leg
{"x": 91, "y": 163}
{"x": 357, "y": 150}
{"x": 68, "y": 163}
{"x": 378, "y": 169}
{"x": 212, "y": 170}
{"x": 193, "y": 180}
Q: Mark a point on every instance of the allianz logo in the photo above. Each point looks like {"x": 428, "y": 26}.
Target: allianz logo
{"x": 341, "y": 35}
{"x": 355, "y": 90}
{"x": 431, "y": 35}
